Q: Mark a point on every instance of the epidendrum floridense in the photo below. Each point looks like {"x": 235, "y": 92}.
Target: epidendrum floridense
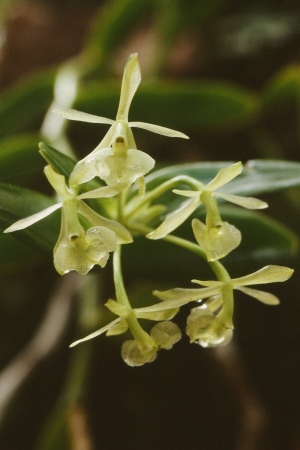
{"x": 87, "y": 238}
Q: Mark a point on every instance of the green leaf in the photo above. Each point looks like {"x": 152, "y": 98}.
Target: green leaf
{"x": 17, "y": 203}
{"x": 263, "y": 238}
{"x": 206, "y": 105}
{"x": 60, "y": 162}
{"x": 20, "y": 160}
{"x": 14, "y": 252}
{"x": 25, "y": 103}
{"x": 283, "y": 88}
{"x": 258, "y": 176}
{"x": 64, "y": 165}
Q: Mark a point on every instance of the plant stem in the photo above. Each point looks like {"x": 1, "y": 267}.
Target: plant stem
{"x": 136, "y": 203}
{"x": 143, "y": 339}
{"x": 218, "y": 268}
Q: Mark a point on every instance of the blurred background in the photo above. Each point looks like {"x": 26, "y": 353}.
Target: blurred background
{"x": 226, "y": 73}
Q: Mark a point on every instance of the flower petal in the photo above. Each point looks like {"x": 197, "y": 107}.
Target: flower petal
{"x": 122, "y": 234}
{"x": 165, "y": 314}
{"x": 117, "y": 329}
{"x": 118, "y": 309}
{"x": 175, "y": 218}
{"x": 86, "y": 169}
{"x": 130, "y": 82}
{"x": 58, "y": 182}
{"x": 174, "y": 298}
{"x": 262, "y": 296}
{"x": 210, "y": 283}
{"x": 134, "y": 356}
{"x": 82, "y": 252}
{"x": 122, "y": 171}
{"x": 246, "y": 202}
{"x": 186, "y": 193}
{"x": 268, "y": 274}
{"x": 218, "y": 241}
{"x": 97, "y": 333}
{"x": 107, "y": 140}
{"x": 102, "y": 192}
{"x": 24, "y": 223}
{"x": 224, "y": 176}
{"x": 73, "y": 114}
{"x": 206, "y": 329}
{"x": 165, "y": 334}
{"x": 158, "y": 129}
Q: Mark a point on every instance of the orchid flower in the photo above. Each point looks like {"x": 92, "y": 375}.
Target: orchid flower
{"x": 205, "y": 194}
{"x": 115, "y": 159}
{"x": 174, "y": 298}
{"x": 162, "y": 336}
{"x": 78, "y": 249}
{"x": 205, "y": 325}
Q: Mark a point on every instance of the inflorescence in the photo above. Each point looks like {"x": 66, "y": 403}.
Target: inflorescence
{"x": 87, "y": 238}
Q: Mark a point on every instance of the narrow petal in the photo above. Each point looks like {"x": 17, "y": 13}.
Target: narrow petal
{"x": 246, "y": 202}
{"x": 158, "y": 129}
{"x": 186, "y": 193}
{"x": 24, "y": 223}
{"x": 262, "y": 296}
{"x": 218, "y": 241}
{"x": 175, "y": 218}
{"x": 165, "y": 314}
{"x": 130, "y": 83}
{"x": 210, "y": 283}
{"x": 123, "y": 235}
{"x": 73, "y": 114}
{"x": 58, "y": 182}
{"x": 174, "y": 298}
{"x": 86, "y": 169}
{"x": 107, "y": 140}
{"x": 118, "y": 309}
{"x": 97, "y": 333}
{"x": 224, "y": 176}
{"x": 117, "y": 329}
{"x": 268, "y": 274}
{"x": 102, "y": 192}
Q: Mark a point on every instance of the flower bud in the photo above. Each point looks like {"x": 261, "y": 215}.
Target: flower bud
{"x": 134, "y": 356}
{"x": 165, "y": 334}
{"x": 206, "y": 329}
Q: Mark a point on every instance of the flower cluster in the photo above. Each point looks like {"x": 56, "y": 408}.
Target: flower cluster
{"x": 87, "y": 238}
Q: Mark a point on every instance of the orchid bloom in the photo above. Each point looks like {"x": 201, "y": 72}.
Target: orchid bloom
{"x": 205, "y": 325}
{"x": 206, "y": 195}
{"x": 116, "y": 159}
{"x": 136, "y": 352}
{"x": 78, "y": 249}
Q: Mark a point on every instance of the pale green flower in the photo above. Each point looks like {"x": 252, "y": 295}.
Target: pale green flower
{"x": 205, "y": 194}
{"x": 139, "y": 351}
{"x": 78, "y": 249}
{"x": 174, "y": 298}
{"x": 164, "y": 336}
{"x": 115, "y": 159}
{"x": 210, "y": 325}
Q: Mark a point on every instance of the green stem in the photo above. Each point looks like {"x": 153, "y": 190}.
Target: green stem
{"x": 218, "y": 268}
{"x": 118, "y": 279}
{"x": 136, "y": 203}
{"x": 142, "y": 338}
